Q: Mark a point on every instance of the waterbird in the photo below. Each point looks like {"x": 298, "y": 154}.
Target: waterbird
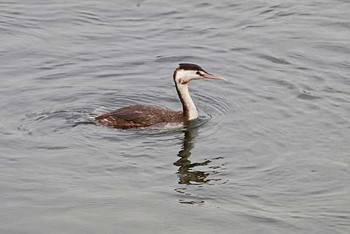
{"x": 141, "y": 116}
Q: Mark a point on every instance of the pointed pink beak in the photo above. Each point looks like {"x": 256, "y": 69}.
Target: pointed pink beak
{"x": 210, "y": 76}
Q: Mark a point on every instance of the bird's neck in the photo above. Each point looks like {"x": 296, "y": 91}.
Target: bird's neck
{"x": 189, "y": 109}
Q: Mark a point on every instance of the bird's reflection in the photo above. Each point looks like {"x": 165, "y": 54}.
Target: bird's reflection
{"x": 186, "y": 171}
{"x": 189, "y": 174}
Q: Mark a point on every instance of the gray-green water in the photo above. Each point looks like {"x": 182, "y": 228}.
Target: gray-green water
{"x": 273, "y": 156}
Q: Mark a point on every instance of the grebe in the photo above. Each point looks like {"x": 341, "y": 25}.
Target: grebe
{"x": 137, "y": 116}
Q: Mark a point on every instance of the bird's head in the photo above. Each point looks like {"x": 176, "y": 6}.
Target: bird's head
{"x": 188, "y": 71}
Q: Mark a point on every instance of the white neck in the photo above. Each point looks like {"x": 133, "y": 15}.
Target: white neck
{"x": 189, "y": 109}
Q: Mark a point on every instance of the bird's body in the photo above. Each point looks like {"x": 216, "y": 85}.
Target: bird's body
{"x": 138, "y": 116}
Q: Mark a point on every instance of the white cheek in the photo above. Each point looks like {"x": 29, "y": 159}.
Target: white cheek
{"x": 181, "y": 73}
{"x": 185, "y": 76}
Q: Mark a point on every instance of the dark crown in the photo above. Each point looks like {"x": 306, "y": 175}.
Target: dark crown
{"x": 190, "y": 66}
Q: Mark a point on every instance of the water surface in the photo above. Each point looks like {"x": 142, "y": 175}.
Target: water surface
{"x": 271, "y": 152}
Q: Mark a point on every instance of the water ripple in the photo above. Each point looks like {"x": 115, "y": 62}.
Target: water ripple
{"x": 270, "y": 146}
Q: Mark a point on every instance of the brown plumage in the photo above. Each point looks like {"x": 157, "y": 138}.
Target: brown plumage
{"x": 137, "y": 116}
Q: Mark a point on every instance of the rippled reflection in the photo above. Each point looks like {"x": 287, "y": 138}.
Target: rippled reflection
{"x": 194, "y": 173}
{"x": 189, "y": 172}
{"x": 186, "y": 172}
